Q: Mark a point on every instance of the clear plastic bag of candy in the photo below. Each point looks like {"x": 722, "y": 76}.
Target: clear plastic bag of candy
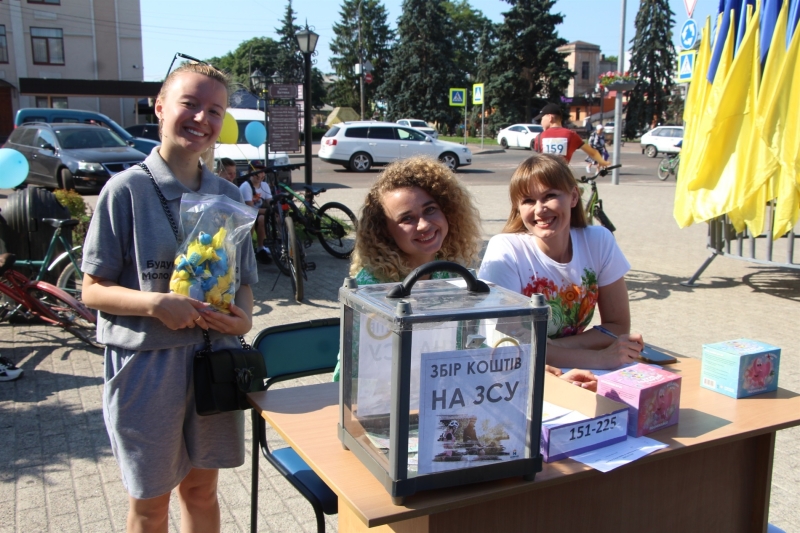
{"x": 214, "y": 227}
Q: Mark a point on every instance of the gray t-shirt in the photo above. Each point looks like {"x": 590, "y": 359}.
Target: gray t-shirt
{"x": 130, "y": 242}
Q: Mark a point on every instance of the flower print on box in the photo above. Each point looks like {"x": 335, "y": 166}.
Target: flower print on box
{"x": 759, "y": 373}
{"x": 661, "y": 408}
{"x": 572, "y": 305}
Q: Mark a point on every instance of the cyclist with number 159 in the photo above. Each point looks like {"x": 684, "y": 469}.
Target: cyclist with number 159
{"x": 558, "y": 140}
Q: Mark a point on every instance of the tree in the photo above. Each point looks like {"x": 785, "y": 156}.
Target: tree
{"x": 423, "y": 68}
{"x": 653, "y": 62}
{"x": 469, "y": 25}
{"x": 526, "y": 69}
{"x": 376, "y": 41}
{"x": 257, "y": 53}
{"x": 289, "y": 60}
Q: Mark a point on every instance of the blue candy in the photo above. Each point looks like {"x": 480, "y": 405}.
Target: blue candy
{"x": 204, "y": 238}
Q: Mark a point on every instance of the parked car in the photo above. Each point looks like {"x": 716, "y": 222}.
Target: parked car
{"x": 420, "y": 125}
{"x": 359, "y": 146}
{"x": 243, "y": 153}
{"x": 662, "y": 140}
{"x": 78, "y": 116}
{"x": 72, "y": 156}
{"x": 145, "y": 131}
{"x": 519, "y": 135}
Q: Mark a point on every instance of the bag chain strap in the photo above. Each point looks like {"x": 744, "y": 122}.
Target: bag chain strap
{"x": 164, "y": 204}
{"x": 174, "y": 227}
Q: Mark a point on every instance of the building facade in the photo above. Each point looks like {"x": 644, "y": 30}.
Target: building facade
{"x": 68, "y": 39}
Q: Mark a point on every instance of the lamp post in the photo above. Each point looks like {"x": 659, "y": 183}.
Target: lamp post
{"x": 360, "y": 62}
{"x": 307, "y": 42}
{"x": 618, "y": 102}
{"x": 258, "y": 81}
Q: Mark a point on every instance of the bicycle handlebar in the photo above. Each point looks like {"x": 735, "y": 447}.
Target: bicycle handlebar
{"x": 602, "y": 172}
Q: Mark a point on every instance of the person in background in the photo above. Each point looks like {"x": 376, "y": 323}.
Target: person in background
{"x": 547, "y": 247}
{"x": 227, "y": 169}
{"x": 418, "y": 211}
{"x": 256, "y": 193}
{"x": 597, "y": 140}
{"x": 558, "y": 140}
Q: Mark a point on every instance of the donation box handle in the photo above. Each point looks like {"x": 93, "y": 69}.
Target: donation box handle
{"x": 403, "y": 289}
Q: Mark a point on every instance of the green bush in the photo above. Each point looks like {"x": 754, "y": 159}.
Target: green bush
{"x": 78, "y": 209}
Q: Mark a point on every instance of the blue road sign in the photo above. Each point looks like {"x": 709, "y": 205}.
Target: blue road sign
{"x": 689, "y": 34}
{"x": 685, "y": 66}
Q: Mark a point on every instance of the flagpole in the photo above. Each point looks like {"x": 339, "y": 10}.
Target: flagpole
{"x": 618, "y": 103}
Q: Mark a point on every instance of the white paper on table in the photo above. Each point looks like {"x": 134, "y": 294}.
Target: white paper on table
{"x": 551, "y": 411}
{"x": 616, "y": 455}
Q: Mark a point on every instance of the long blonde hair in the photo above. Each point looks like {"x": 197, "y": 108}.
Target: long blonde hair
{"x": 207, "y": 157}
{"x": 375, "y": 248}
{"x": 550, "y": 171}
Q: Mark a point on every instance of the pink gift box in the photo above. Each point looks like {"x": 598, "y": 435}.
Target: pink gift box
{"x": 652, "y": 394}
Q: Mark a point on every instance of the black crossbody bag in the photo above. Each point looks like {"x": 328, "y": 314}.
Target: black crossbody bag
{"x": 222, "y": 378}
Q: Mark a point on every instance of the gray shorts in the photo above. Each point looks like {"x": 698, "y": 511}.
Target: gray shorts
{"x": 156, "y": 435}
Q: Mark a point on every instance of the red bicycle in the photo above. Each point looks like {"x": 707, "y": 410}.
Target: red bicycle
{"x": 42, "y": 300}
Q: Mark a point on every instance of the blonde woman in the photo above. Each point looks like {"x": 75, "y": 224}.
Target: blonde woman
{"x": 151, "y": 334}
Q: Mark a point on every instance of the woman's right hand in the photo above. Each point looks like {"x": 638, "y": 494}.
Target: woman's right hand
{"x": 177, "y": 311}
{"x": 624, "y": 350}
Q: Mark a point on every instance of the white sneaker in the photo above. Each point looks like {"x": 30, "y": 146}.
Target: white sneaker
{"x": 7, "y": 373}
{"x": 588, "y": 169}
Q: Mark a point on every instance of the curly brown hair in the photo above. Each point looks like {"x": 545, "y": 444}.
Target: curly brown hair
{"x": 206, "y": 70}
{"x": 548, "y": 170}
{"x": 375, "y": 248}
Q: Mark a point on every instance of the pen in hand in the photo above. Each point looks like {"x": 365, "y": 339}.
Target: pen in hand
{"x": 611, "y": 334}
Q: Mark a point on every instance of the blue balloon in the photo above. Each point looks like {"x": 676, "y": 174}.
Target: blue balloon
{"x": 13, "y": 168}
{"x": 255, "y": 133}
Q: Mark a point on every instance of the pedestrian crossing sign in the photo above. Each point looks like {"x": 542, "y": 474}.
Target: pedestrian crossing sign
{"x": 477, "y": 93}
{"x": 458, "y": 97}
{"x": 686, "y": 65}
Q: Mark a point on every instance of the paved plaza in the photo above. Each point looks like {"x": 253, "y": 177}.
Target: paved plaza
{"x": 57, "y": 473}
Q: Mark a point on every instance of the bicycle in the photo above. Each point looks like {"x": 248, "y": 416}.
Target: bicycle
{"x": 35, "y": 298}
{"x": 669, "y": 166}
{"x": 284, "y": 246}
{"x": 594, "y": 205}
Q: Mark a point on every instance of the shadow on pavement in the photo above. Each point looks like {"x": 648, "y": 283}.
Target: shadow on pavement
{"x": 778, "y": 282}
{"x": 649, "y": 285}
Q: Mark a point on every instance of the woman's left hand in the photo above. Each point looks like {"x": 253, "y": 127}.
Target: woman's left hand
{"x": 581, "y": 378}
{"x": 236, "y": 323}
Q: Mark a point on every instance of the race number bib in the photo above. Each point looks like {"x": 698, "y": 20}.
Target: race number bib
{"x": 555, "y": 145}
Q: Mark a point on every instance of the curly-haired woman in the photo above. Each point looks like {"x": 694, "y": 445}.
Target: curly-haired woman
{"x": 417, "y": 211}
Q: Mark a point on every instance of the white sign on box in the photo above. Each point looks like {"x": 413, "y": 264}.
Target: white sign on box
{"x": 577, "y": 433}
{"x": 473, "y": 407}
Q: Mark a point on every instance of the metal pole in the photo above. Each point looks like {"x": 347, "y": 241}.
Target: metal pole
{"x": 618, "y": 103}
{"x": 361, "y": 61}
{"x": 465, "y": 118}
{"x": 307, "y": 117}
{"x": 482, "y": 131}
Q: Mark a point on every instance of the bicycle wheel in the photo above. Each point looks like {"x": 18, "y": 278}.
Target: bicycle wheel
{"x": 295, "y": 259}
{"x": 337, "y": 229}
{"x": 75, "y": 321}
{"x": 663, "y": 169}
{"x": 603, "y": 219}
{"x": 279, "y": 251}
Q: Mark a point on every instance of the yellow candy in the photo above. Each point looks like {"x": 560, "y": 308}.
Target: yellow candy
{"x": 180, "y": 287}
{"x": 219, "y": 238}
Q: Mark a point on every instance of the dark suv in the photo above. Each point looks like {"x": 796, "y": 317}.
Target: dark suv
{"x": 72, "y": 156}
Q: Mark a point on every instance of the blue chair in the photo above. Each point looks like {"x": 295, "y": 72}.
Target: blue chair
{"x": 293, "y": 351}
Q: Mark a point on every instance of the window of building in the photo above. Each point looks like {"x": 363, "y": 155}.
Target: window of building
{"x": 585, "y": 70}
{"x": 59, "y": 102}
{"x": 3, "y": 45}
{"x": 48, "y": 46}
{"x": 54, "y": 2}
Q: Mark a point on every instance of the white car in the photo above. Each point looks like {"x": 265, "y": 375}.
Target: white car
{"x": 519, "y": 136}
{"x": 243, "y": 152}
{"x": 420, "y": 125}
{"x": 359, "y": 146}
{"x": 662, "y": 140}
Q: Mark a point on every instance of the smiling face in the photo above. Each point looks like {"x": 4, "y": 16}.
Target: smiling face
{"x": 191, "y": 113}
{"x": 545, "y": 212}
{"x": 416, "y": 223}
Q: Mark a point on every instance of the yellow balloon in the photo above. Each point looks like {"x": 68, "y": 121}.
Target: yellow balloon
{"x": 230, "y": 130}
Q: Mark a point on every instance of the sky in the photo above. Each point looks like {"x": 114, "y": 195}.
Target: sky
{"x": 208, "y": 28}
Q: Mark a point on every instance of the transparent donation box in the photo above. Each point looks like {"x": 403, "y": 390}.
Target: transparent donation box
{"x": 442, "y": 380}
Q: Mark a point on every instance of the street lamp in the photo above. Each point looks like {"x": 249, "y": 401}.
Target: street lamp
{"x": 307, "y": 42}
{"x": 258, "y": 82}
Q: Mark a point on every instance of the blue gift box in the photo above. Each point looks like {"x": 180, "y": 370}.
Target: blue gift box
{"x": 740, "y": 368}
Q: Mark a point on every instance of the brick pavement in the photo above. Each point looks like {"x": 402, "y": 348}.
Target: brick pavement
{"x": 56, "y": 469}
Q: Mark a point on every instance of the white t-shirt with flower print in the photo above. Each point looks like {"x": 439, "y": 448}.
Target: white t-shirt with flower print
{"x": 513, "y": 261}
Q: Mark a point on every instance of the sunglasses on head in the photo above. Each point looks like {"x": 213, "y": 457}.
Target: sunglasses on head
{"x": 188, "y": 58}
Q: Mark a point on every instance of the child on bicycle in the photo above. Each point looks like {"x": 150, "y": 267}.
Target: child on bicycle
{"x": 417, "y": 212}
{"x": 152, "y": 335}
{"x": 597, "y": 140}
{"x": 546, "y": 247}
{"x": 256, "y": 193}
